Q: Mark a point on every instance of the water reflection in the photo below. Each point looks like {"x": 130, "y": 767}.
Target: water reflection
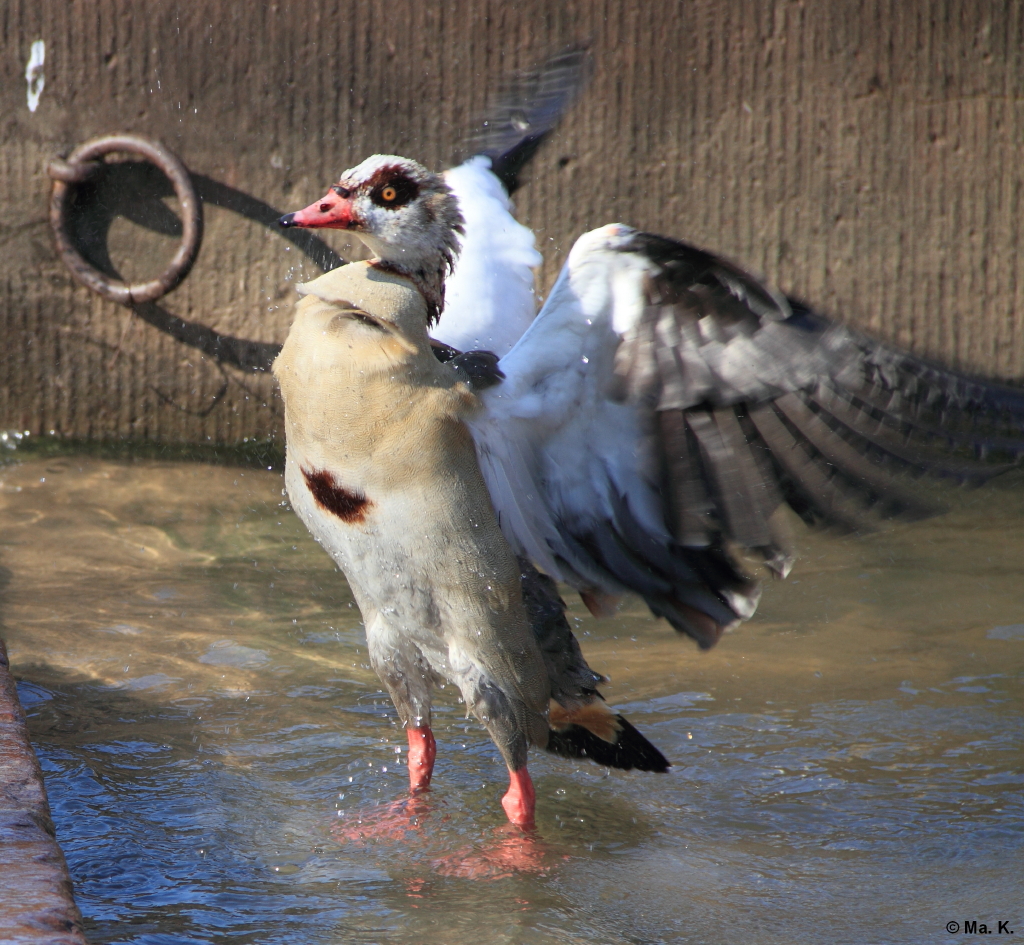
{"x": 848, "y": 766}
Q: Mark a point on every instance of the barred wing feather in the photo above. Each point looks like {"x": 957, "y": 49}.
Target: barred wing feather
{"x": 665, "y": 404}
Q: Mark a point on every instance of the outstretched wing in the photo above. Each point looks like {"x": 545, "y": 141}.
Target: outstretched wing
{"x": 664, "y": 405}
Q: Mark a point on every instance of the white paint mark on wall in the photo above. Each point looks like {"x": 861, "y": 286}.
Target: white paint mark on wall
{"x": 34, "y": 74}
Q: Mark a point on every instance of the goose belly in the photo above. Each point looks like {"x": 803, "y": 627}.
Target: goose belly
{"x": 388, "y": 552}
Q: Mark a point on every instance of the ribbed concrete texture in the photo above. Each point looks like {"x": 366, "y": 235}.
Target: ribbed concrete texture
{"x": 863, "y": 154}
{"x": 36, "y": 904}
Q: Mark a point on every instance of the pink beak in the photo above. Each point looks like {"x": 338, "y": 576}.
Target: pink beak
{"x": 330, "y": 211}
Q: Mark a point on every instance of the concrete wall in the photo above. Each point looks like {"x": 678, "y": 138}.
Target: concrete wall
{"x": 863, "y": 154}
{"x": 36, "y": 902}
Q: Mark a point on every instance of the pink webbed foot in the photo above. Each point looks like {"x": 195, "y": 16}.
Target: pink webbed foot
{"x": 389, "y": 822}
{"x": 393, "y": 821}
{"x": 512, "y": 851}
{"x": 516, "y": 850}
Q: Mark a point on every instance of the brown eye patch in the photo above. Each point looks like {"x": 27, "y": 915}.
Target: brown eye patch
{"x": 391, "y": 188}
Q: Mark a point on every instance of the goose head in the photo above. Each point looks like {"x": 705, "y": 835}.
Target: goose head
{"x": 406, "y": 215}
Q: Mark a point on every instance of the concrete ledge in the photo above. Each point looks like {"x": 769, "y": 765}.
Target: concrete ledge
{"x": 36, "y": 900}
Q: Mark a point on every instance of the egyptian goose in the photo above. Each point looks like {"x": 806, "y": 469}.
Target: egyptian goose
{"x": 382, "y": 470}
{"x": 656, "y": 414}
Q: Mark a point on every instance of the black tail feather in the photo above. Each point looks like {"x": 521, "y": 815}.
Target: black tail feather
{"x": 630, "y": 749}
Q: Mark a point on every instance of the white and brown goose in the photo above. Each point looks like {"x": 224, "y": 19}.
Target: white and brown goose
{"x": 649, "y": 424}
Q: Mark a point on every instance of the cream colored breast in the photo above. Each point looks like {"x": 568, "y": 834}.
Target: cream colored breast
{"x": 361, "y": 386}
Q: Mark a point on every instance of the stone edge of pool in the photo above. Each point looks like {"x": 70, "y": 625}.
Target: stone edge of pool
{"x": 37, "y": 903}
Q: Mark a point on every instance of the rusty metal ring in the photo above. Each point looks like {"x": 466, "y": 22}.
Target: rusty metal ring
{"x": 82, "y": 164}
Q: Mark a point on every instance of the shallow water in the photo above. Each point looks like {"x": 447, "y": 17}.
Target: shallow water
{"x": 848, "y": 766}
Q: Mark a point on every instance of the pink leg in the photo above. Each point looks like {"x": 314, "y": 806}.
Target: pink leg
{"x": 520, "y": 801}
{"x": 393, "y": 821}
{"x": 422, "y": 752}
{"x": 518, "y": 849}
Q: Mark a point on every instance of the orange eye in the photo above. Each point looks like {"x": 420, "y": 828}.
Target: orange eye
{"x": 388, "y": 194}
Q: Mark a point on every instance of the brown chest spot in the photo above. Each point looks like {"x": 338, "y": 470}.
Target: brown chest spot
{"x": 349, "y": 506}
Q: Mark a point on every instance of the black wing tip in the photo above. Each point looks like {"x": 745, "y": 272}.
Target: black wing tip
{"x": 999, "y": 395}
{"x": 507, "y": 167}
{"x": 630, "y": 751}
{"x": 528, "y": 108}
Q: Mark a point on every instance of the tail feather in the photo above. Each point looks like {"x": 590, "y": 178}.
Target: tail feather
{"x": 581, "y": 725}
{"x": 595, "y": 732}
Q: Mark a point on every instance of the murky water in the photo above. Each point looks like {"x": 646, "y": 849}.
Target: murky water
{"x": 848, "y": 766}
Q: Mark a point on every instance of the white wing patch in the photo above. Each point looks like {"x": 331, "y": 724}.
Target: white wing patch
{"x": 489, "y": 297}
{"x": 558, "y": 453}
